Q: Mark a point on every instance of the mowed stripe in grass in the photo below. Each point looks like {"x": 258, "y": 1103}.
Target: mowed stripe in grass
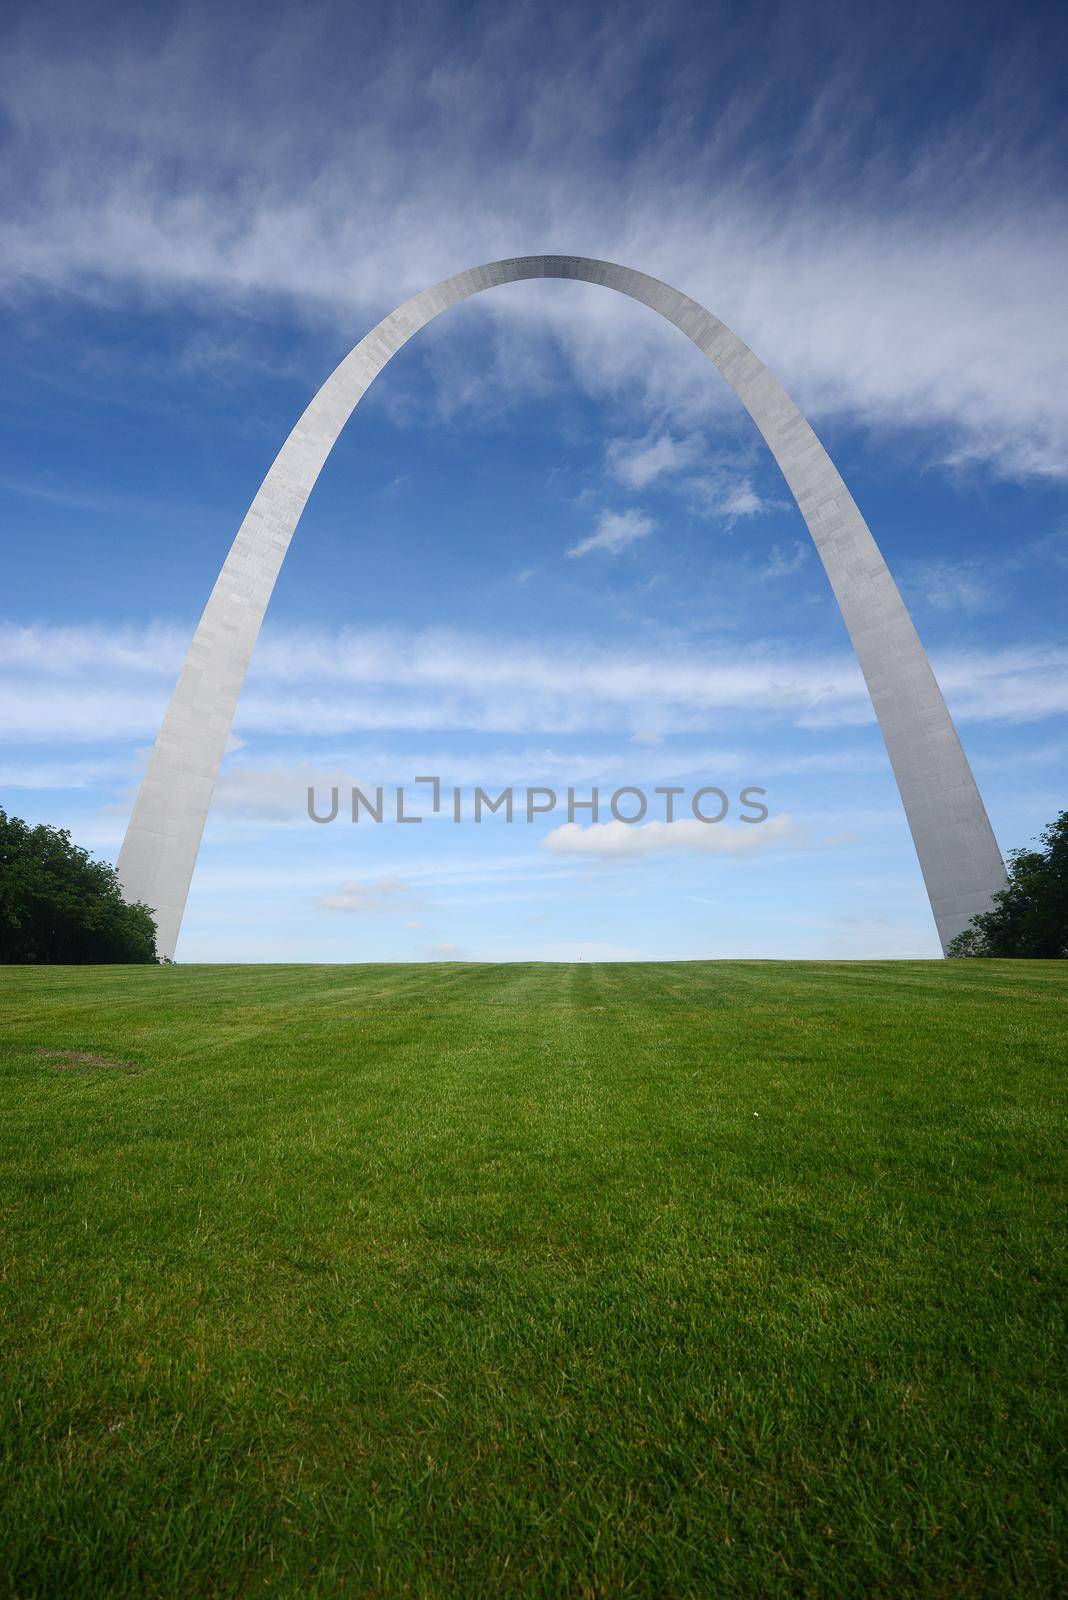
{"x": 668, "y": 1280}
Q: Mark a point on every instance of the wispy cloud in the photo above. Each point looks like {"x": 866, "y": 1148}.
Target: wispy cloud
{"x": 64, "y": 651}
{"x": 99, "y": 685}
{"x": 279, "y": 793}
{"x": 727, "y": 495}
{"x": 785, "y": 560}
{"x": 721, "y": 490}
{"x": 388, "y": 893}
{"x": 635, "y": 463}
{"x": 961, "y": 587}
{"x": 195, "y": 159}
{"x": 621, "y": 841}
{"x": 446, "y": 952}
{"x": 615, "y": 531}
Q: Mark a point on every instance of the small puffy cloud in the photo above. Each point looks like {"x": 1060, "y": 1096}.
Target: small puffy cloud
{"x": 785, "y": 560}
{"x": 378, "y": 894}
{"x": 628, "y": 841}
{"x": 728, "y": 495}
{"x": 638, "y": 462}
{"x": 615, "y": 531}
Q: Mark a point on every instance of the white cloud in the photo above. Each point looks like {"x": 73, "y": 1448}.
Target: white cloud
{"x": 728, "y": 495}
{"x": 62, "y": 651}
{"x": 41, "y": 711}
{"x": 626, "y": 841}
{"x": 955, "y": 586}
{"x": 635, "y": 463}
{"x": 887, "y": 287}
{"x": 379, "y": 894}
{"x": 720, "y": 490}
{"x": 91, "y": 774}
{"x": 315, "y": 683}
{"x": 785, "y": 560}
{"x": 1014, "y": 684}
{"x": 445, "y": 952}
{"x": 278, "y": 794}
{"x": 615, "y": 531}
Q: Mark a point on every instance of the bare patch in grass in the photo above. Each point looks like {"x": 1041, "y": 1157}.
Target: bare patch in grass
{"x": 63, "y": 1060}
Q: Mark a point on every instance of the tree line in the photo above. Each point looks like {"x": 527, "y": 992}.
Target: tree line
{"x": 59, "y": 905}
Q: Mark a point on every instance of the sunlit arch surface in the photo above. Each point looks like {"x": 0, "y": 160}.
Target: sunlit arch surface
{"x": 958, "y": 854}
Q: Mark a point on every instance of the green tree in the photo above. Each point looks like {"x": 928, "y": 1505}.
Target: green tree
{"x": 59, "y": 905}
{"x": 1029, "y": 916}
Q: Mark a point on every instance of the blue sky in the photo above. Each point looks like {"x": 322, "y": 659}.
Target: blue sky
{"x": 204, "y": 208}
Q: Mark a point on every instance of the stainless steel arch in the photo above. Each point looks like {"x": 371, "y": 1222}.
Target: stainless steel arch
{"x": 958, "y": 854}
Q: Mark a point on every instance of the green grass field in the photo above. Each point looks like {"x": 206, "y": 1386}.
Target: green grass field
{"x": 660, "y": 1281}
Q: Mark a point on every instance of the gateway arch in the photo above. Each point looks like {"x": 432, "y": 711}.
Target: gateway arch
{"x": 958, "y": 854}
